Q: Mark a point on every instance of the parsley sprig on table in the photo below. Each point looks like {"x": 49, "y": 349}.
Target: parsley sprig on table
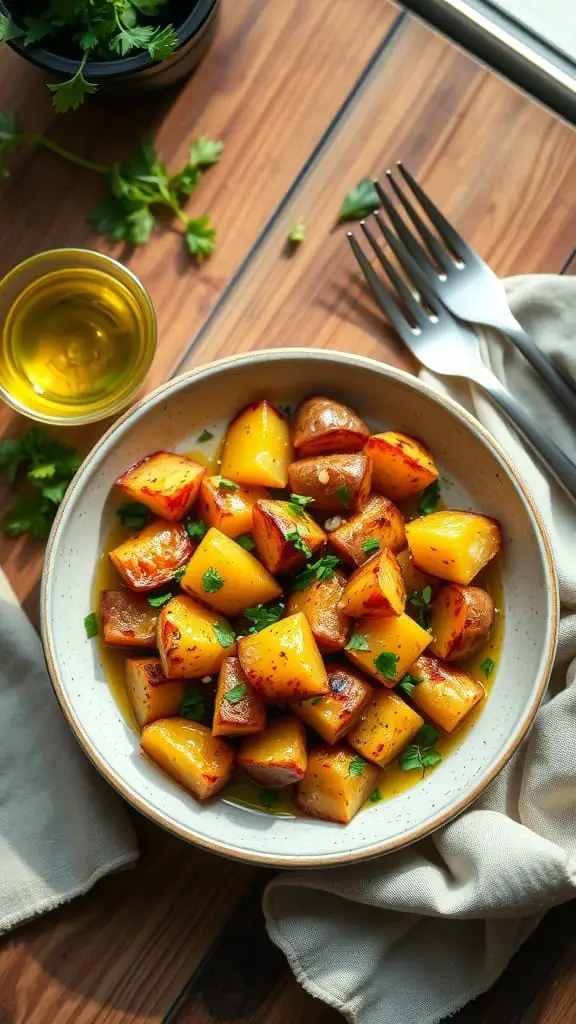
{"x": 137, "y": 187}
{"x": 48, "y": 466}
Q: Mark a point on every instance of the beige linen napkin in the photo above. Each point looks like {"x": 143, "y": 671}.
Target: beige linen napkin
{"x": 61, "y": 826}
{"x": 411, "y": 937}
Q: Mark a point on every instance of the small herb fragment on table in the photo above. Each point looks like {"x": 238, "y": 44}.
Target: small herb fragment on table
{"x": 246, "y": 541}
{"x": 295, "y": 538}
{"x": 361, "y": 201}
{"x": 430, "y": 499}
{"x": 236, "y": 694}
{"x": 357, "y": 765}
{"x": 91, "y": 625}
{"x": 408, "y": 684}
{"x": 204, "y": 436}
{"x": 297, "y": 504}
{"x": 268, "y": 798}
{"x": 344, "y": 495}
{"x": 158, "y": 600}
{"x": 321, "y": 570}
{"x": 297, "y": 233}
{"x": 196, "y": 529}
{"x": 134, "y": 515}
{"x": 422, "y": 753}
{"x": 375, "y": 796}
{"x": 192, "y": 704}
{"x": 487, "y": 667}
{"x": 357, "y": 642}
{"x": 372, "y": 544}
{"x": 224, "y": 634}
{"x": 227, "y": 485}
{"x": 49, "y": 466}
{"x": 262, "y": 615}
{"x": 386, "y": 663}
{"x": 212, "y": 581}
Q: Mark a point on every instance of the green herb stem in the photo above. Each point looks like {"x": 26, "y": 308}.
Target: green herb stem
{"x": 67, "y": 154}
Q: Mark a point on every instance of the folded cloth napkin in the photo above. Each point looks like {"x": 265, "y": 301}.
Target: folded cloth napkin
{"x": 61, "y": 827}
{"x": 411, "y": 937}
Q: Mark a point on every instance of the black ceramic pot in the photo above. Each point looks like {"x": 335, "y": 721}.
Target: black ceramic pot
{"x": 195, "y": 23}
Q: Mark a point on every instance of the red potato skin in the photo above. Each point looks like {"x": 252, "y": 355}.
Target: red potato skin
{"x": 471, "y": 610}
{"x": 323, "y": 426}
{"x": 379, "y": 518}
{"x": 352, "y": 471}
{"x": 127, "y": 619}
{"x": 175, "y": 505}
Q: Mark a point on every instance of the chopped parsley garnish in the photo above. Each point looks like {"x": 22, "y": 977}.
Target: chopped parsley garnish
{"x": 297, "y": 233}
{"x": 420, "y": 599}
{"x": 297, "y": 504}
{"x": 375, "y": 796}
{"x": 344, "y": 495}
{"x": 196, "y": 529}
{"x": 212, "y": 581}
{"x": 296, "y": 538}
{"x": 316, "y": 700}
{"x": 357, "y": 642}
{"x": 134, "y": 515}
{"x": 357, "y": 765}
{"x": 159, "y": 599}
{"x": 268, "y": 798}
{"x": 91, "y": 626}
{"x": 227, "y": 485}
{"x": 192, "y": 704}
{"x": 372, "y": 544}
{"x": 430, "y": 499}
{"x": 487, "y": 667}
{"x": 236, "y": 694}
{"x": 262, "y": 615}
{"x": 321, "y": 570}
{"x": 408, "y": 684}
{"x": 246, "y": 541}
{"x": 421, "y": 754}
{"x": 179, "y": 573}
{"x": 361, "y": 201}
{"x": 386, "y": 663}
{"x": 204, "y": 436}
{"x": 225, "y": 635}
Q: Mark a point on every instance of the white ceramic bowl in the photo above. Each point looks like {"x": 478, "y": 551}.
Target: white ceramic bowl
{"x": 476, "y": 475}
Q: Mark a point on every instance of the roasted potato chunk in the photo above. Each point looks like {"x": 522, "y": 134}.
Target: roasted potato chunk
{"x": 385, "y": 727}
{"x": 386, "y": 647}
{"x": 376, "y": 588}
{"x": 319, "y": 603}
{"x": 453, "y": 545}
{"x": 257, "y": 447}
{"x": 190, "y": 754}
{"x": 164, "y": 481}
{"x": 330, "y": 789}
{"x": 127, "y": 619}
{"x": 226, "y": 576}
{"x": 238, "y": 709}
{"x": 461, "y": 620}
{"x": 338, "y": 483}
{"x": 401, "y": 464}
{"x": 331, "y": 716}
{"x": 444, "y": 693}
{"x": 191, "y": 639}
{"x": 230, "y": 511}
{"x": 379, "y": 521}
{"x": 151, "y": 695}
{"x": 150, "y": 559}
{"x": 276, "y": 528}
{"x": 283, "y": 663}
{"x": 277, "y": 756}
{"x": 414, "y": 579}
{"x": 323, "y": 426}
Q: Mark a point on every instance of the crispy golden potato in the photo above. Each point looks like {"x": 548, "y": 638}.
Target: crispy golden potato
{"x": 445, "y": 693}
{"x": 257, "y": 447}
{"x": 191, "y": 639}
{"x": 150, "y": 558}
{"x": 323, "y": 426}
{"x": 238, "y": 709}
{"x": 461, "y": 620}
{"x": 401, "y": 464}
{"x": 453, "y": 545}
{"x": 379, "y": 521}
{"x": 386, "y": 647}
{"x": 190, "y": 754}
{"x": 414, "y": 579}
{"x": 127, "y": 619}
{"x": 283, "y": 663}
{"x": 335, "y": 785}
{"x": 151, "y": 695}
{"x": 319, "y": 603}
{"x": 376, "y": 588}
{"x": 277, "y": 756}
{"x": 226, "y": 576}
{"x": 230, "y": 511}
{"x": 333, "y": 715}
{"x": 164, "y": 481}
{"x": 385, "y": 727}
{"x": 338, "y": 483}
{"x": 274, "y": 523}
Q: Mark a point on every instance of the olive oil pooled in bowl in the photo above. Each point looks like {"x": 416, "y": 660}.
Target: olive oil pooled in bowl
{"x": 78, "y": 336}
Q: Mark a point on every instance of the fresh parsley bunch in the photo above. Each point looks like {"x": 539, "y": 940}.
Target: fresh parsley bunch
{"x": 49, "y": 467}
{"x": 100, "y": 29}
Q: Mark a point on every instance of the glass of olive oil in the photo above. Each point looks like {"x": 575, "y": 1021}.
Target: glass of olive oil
{"x": 78, "y": 334}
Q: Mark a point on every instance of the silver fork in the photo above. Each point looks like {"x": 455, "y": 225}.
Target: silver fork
{"x": 445, "y": 345}
{"x": 467, "y": 286}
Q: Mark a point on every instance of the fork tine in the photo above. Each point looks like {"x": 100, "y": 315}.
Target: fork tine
{"x": 403, "y": 232}
{"x": 432, "y": 243}
{"x": 410, "y": 266}
{"x": 382, "y": 296}
{"x": 450, "y": 235}
{"x": 404, "y": 292}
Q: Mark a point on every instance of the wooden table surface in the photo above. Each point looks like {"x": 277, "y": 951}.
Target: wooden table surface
{"x": 308, "y": 98}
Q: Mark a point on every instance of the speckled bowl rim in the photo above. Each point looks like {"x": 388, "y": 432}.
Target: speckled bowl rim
{"x": 181, "y": 383}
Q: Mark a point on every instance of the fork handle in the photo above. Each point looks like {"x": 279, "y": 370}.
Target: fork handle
{"x": 559, "y": 464}
{"x": 559, "y": 385}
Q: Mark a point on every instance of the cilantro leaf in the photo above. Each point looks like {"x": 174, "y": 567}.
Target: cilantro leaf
{"x": 12, "y": 455}
{"x": 268, "y": 798}
{"x": 262, "y": 615}
{"x": 91, "y": 626}
{"x": 8, "y": 30}
{"x": 157, "y": 600}
{"x": 108, "y": 218}
{"x": 295, "y": 538}
{"x": 130, "y": 38}
{"x": 357, "y": 642}
{"x": 430, "y": 499}
{"x": 361, "y": 201}
{"x": 421, "y": 754}
{"x": 50, "y": 466}
{"x": 70, "y": 94}
{"x": 297, "y": 233}
{"x": 427, "y": 736}
{"x": 163, "y": 43}
{"x": 37, "y": 28}
{"x": 375, "y": 796}
{"x": 212, "y": 581}
{"x": 206, "y": 435}
{"x": 297, "y": 505}
{"x": 386, "y": 663}
{"x": 430, "y": 758}
{"x": 134, "y": 515}
{"x": 200, "y": 237}
{"x": 344, "y": 495}
{"x": 487, "y": 667}
{"x": 205, "y": 152}
{"x": 408, "y": 684}
{"x": 245, "y": 541}
{"x": 196, "y": 529}
{"x": 236, "y": 694}
{"x": 227, "y": 485}
{"x": 139, "y": 225}
{"x": 225, "y": 635}
{"x": 178, "y": 575}
{"x": 411, "y": 759}
{"x": 321, "y": 570}
{"x": 372, "y": 544}
{"x": 357, "y": 765}
{"x": 420, "y": 600}
{"x": 192, "y": 704}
